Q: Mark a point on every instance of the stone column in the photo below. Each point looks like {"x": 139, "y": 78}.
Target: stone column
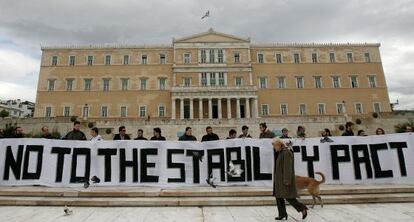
{"x": 210, "y": 108}
{"x": 191, "y": 108}
{"x": 247, "y": 107}
{"x": 238, "y": 108}
{"x": 256, "y": 108}
{"x": 200, "y": 108}
{"x": 181, "y": 108}
{"x": 173, "y": 109}
{"x": 219, "y": 108}
{"x": 228, "y": 108}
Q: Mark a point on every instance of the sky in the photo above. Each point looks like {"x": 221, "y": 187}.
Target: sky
{"x": 25, "y": 25}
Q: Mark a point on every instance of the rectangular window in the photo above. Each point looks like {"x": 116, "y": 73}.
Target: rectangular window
{"x": 161, "y": 111}
{"x": 187, "y": 81}
{"x": 69, "y": 84}
{"x": 107, "y": 60}
{"x": 300, "y": 82}
{"x": 220, "y": 56}
{"x": 260, "y": 58}
{"x": 354, "y": 81}
{"x": 336, "y": 83}
{"x": 340, "y": 108}
{"x": 372, "y": 81}
{"x": 263, "y": 82}
{"x": 143, "y": 84}
{"x": 212, "y": 79}
{"x": 124, "y": 111}
{"x": 318, "y": 82}
{"x": 265, "y": 109}
{"x": 90, "y": 60}
{"x": 302, "y": 109}
{"x": 85, "y": 111}
{"x": 54, "y": 60}
{"x": 66, "y": 111}
{"x": 296, "y": 58}
{"x": 221, "y": 79}
{"x": 377, "y": 107}
{"x": 279, "y": 58}
{"x": 236, "y": 57}
{"x": 51, "y": 84}
{"x": 350, "y": 57}
{"x": 367, "y": 57}
{"x": 314, "y": 58}
{"x": 142, "y": 111}
{"x": 332, "y": 58}
{"x": 321, "y": 109}
{"x": 281, "y": 82}
{"x": 144, "y": 59}
{"x": 187, "y": 58}
{"x": 239, "y": 81}
{"x": 72, "y": 60}
{"x": 162, "y": 59}
{"x": 88, "y": 84}
{"x": 212, "y": 56}
{"x": 283, "y": 109}
{"x": 104, "y": 111}
{"x": 106, "y": 84}
{"x": 162, "y": 83}
{"x": 48, "y": 111}
{"x": 124, "y": 84}
{"x": 203, "y": 56}
{"x": 358, "y": 108}
{"x": 204, "y": 79}
{"x": 126, "y": 60}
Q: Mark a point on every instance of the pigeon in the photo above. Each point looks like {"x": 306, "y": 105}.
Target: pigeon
{"x": 67, "y": 211}
{"x": 210, "y": 180}
{"x": 206, "y": 15}
{"x": 94, "y": 180}
{"x": 233, "y": 172}
{"x": 198, "y": 156}
{"x": 326, "y": 139}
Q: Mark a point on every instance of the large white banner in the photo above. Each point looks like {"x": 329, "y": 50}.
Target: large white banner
{"x": 346, "y": 160}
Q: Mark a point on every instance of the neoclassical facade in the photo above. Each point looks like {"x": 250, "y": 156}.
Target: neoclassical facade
{"x": 211, "y": 75}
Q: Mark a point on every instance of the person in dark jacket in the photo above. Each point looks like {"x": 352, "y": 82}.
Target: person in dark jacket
{"x": 265, "y": 132}
{"x": 75, "y": 134}
{"x": 348, "y": 129}
{"x": 122, "y": 134}
{"x": 157, "y": 134}
{"x": 232, "y": 134}
{"x": 210, "y": 136}
{"x": 245, "y": 132}
{"x": 300, "y": 133}
{"x": 188, "y": 135}
{"x": 285, "y": 134}
{"x": 18, "y": 132}
{"x": 284, "y": 185}
{"x": 140, "y": 135}
{"x": 45, "y": 133}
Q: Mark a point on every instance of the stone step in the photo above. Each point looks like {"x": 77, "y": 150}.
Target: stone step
{"x": 37, "y": 191}
{"x": 196, "y": 201}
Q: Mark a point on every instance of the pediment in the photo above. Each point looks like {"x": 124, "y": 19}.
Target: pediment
{"x": 210, "y": 36}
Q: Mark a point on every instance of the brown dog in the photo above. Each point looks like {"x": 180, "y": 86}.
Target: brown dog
{"x": 312, "y": 185}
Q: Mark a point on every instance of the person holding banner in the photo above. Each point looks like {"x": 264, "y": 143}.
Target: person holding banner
{"x": 122, "y": 134}
{"x": 157, "y": 135}
{"x": 284, "y": 185}
{"x": 188, "y": 135}
{"x": 265, "y": 132}
{"x": 76, "y": 133}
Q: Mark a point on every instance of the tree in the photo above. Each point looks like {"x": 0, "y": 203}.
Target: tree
{"x": 4, "y": 113}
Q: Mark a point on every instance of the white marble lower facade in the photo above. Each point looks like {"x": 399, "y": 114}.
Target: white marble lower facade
{"x": 344, "y": 212}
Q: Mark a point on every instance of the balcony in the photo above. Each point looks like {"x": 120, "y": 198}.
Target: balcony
{"x": 219, "y": 91}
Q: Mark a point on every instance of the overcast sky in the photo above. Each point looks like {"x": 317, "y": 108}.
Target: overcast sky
{"x": 27, "y": 24}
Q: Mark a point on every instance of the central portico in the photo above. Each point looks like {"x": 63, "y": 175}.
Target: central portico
{"x": 201, "y": 89}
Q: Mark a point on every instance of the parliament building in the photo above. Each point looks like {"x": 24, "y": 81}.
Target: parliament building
{"x": 211, "y": 75}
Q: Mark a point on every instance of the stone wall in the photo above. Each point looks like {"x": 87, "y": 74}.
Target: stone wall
{"x": 170, "y": 128}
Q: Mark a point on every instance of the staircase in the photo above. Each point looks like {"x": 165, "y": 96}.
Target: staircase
{"x": 194, "y": 196}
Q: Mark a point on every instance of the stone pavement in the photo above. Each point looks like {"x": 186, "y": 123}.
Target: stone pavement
{"x": 343, "y": 212}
